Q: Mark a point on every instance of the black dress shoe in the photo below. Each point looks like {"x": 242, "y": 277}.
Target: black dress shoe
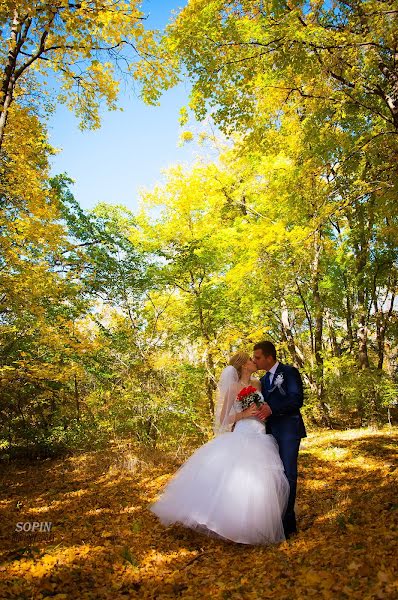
{"x": 290, "y": 534}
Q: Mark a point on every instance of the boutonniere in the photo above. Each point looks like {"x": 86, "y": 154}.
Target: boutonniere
{"x": 278, "y": 381}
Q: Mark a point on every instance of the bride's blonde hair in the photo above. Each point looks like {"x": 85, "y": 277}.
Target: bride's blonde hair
{"x": 238, "y": 360}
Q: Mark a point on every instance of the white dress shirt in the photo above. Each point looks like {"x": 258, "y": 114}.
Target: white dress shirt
{"x": 272, "y": 372}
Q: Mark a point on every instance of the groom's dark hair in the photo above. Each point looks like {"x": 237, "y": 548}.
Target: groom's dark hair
{"x": 267, "y": 348}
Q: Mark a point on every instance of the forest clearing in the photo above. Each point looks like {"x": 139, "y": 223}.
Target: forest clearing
{"x": 107, "y": 544}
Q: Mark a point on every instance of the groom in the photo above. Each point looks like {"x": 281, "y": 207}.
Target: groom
{"x": 282, "y": 389}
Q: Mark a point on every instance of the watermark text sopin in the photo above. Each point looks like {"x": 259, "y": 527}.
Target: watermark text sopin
{"x": 34, "y": 526}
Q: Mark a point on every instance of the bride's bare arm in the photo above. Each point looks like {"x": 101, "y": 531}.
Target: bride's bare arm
{"x": 229, "y": 401}
{"x": 251, "y": 411}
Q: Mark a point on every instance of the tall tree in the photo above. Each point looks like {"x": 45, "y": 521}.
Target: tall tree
{"x": 86, "y": 46}
{"x": 252, "y": 59}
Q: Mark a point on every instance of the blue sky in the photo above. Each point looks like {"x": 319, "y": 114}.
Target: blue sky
{"x": 132, "y": 147}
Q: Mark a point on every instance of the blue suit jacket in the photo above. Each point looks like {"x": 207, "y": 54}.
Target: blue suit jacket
{"x": 286, "y": 420}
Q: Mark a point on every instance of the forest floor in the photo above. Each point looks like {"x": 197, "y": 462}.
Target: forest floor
{"x": 106, "y": 544}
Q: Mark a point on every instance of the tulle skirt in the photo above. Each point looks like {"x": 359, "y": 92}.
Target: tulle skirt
{"x": 233, "y": 487}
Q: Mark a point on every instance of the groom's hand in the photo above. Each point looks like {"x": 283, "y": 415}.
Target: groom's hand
{"x": 264, "y": 412}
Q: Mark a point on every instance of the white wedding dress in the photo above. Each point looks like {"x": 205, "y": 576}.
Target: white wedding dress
{"x": 233, "y": 487}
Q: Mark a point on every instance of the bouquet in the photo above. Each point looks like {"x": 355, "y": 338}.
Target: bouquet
{"x": 248, "y": 395}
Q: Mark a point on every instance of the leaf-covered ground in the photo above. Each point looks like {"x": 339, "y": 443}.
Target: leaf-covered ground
{"x": 108, "y": 545}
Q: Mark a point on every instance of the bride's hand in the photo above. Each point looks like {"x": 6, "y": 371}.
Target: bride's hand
{"x": 248, "y": 412}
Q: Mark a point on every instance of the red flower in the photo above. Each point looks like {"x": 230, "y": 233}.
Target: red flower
{"x": 246, "y": 392}
{"x": 248, "y": 395}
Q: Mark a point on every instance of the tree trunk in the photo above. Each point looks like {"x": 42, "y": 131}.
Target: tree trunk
{"x": 77, "y": 400}
{"x": 318, "y": 308}
{"x": 318, "y": 331}
{"x": 364, "y": 229}
{"x": 210, "y": 382}
{"x": 8, "y": 80}
{"x": 336, "y": 352}
{"x": 383, "y": 320}
{"x": 349, "y": 315}
{"x": 307, "y": 314}
{"x": 363, "y": 358}
{"x": 295, "y": 352}
{"x": 19, "y": 34}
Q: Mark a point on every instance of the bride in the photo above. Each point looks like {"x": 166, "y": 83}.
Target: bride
{"x": 233, "y": 487}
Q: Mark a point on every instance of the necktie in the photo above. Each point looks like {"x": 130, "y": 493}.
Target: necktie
{"x": 267, "y": 381}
